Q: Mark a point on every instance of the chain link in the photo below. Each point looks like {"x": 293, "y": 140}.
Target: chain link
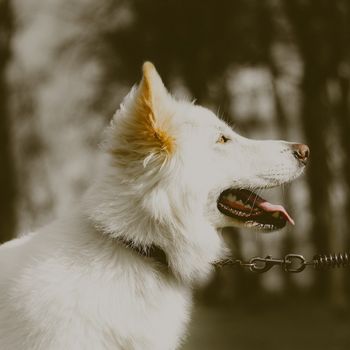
{"x": 291, "y": 263}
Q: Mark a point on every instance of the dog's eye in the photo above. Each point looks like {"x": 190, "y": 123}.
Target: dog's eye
{"x": 222, "y": 139}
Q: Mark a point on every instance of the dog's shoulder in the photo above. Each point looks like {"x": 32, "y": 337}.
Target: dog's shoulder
{"x": 73, "y": 276}
{"x": 12, "y": 254}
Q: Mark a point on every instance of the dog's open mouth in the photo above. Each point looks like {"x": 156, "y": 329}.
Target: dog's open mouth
{"x": 253, "y": 211}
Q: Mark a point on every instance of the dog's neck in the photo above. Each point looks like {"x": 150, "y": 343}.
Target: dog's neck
{"x": 151, "y": 252}
{"x": 189, "y": 243}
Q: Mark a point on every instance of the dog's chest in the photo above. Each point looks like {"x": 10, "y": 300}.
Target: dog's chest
{"x": 96, "y": 306}
{"x": 142, "y": 313}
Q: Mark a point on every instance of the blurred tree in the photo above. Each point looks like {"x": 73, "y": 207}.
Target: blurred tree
{"x": 322, "y": 32}
{"x": 342, "y": 107}
{"x": 195, "y": 40}
{"x": 7, "y": 175}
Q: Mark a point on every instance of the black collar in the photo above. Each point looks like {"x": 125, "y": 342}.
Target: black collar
{"x": 150, "y": 252}
{"x": 158, "y": 255}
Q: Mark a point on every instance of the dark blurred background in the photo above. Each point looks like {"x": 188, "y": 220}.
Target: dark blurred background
{"x": 271, "y": 68}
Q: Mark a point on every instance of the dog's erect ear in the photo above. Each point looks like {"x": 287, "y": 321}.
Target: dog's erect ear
{"x": 152, "y": 109}
{"x": 152, "y": 98}
{"x": 152, "y": 91}
{"x": 142, "y": 129}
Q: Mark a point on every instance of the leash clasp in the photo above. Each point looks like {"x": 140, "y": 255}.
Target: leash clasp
{"x": 261, "y": 265}
{"x": 292, "y": 263}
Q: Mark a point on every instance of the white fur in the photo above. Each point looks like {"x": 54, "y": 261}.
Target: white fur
{"x": 73, "y": 285}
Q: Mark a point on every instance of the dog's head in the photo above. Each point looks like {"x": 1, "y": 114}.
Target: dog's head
{"x": 178, "y": 174}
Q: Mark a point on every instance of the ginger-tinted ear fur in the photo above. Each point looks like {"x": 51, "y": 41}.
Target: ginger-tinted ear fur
{"x": 141, "y": 127}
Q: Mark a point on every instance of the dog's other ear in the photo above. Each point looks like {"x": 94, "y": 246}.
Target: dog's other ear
{"x": 142, "y": 125}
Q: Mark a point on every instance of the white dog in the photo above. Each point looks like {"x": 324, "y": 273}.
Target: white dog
{"x": 118, "y": 272}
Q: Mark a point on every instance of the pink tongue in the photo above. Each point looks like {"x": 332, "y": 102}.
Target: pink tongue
{"x": 275, "y": 207}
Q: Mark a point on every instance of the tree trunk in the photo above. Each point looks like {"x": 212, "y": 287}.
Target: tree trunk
{"x": 7, "y": 178}
{"x": 315, "y": 29}
{"x": 343, "y": 117}
{"x": 315, "y": 123}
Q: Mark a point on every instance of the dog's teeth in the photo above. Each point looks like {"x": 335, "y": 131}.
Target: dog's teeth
{"x": 276, "y": 215}
{"x": 240, "y": 202}
{"x": 231, "y": 197}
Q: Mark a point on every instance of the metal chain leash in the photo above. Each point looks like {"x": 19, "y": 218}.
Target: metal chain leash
{"x": 292, "y": 263}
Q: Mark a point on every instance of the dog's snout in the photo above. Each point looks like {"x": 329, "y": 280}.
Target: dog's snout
{"x": 301, "y": 152}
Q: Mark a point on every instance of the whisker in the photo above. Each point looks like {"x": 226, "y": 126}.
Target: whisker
{"x": 251, "y": 192}
{"x": 256, "y": 196}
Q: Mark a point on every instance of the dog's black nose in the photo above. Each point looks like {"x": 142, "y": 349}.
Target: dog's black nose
{"x": 301, "y": 152}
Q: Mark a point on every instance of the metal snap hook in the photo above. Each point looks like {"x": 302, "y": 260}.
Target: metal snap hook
{"x": 261, "y": 265}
